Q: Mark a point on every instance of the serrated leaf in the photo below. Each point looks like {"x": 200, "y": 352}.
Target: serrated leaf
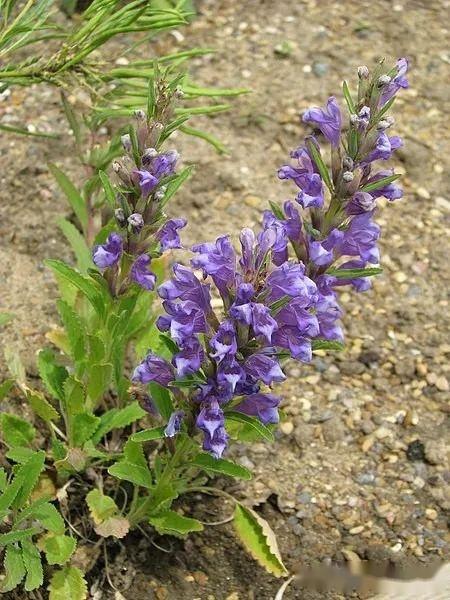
{"x": 83, "y": 427}
{"x": 74, "y": 329}
{"x": 162, "y": 400}
{"x": 220, "y": 465}
{"x": 19, "y": 454}
{"x": 16, "y": 431}
{"x": 147, "y": 435}
{"x": 28, "y": 475}
{"x": 77, "y": 243}
{"x": 100, "y": 506}
{"x": 52, "y": 374}
{"x": 261, "y": 429}
{"x": 74, "y": 197}
{"x": 353, "y": 273}
{"x": 172, "y": 523}
{"x": 49, "y": 517}
{"x": 133, "y": 467}
{"x": 75, "y": 396}
{"x": 99, "y": 380}
{"x": 118, "y": 418}
{"x": 117, "y": 527}
{"x": 58, "y": 548}
{"x": 259, "y": 539}
{"x": 68, "y": 584}
{"x": 41, "y": 406}
{"x": 17, "y": 535}
{"x": 33, "y": 566}
{"x": 14, "y": 568}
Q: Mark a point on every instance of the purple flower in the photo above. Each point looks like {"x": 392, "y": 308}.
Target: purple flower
{"x": 168, "y": 234}
{"x": 360, "y": 203}
{"x": 312, "y": 194}
{"x": 108, "y": 254}
{"x": 224, "y": 341}
{"x": 306, "y": 177}
{"x": 211, "y": 421}
{"x": 217, "y": 260}
{"x": 297, "y": 327}
{"x": 262, "y": 406}
{"x": 293, "y": 222}
{"x": 389, "y": 191}
{"x": 328, "y": 313}
{"x": 147, "y": 182}
{"x": 360, "y": 239}
{"x": 229, "y": 374}
{"x": 328, "y": 120}
{"x": 190, "y": 358}
{"x": 319, "y": 255}
{"x": 384, "y": 147}
{"x": 280, "y": 246}
{"x": 153, "y": 368}
{"x": 174, "y": 424}
{"x": 186, "y": 286}
{"x": 164, "y": 164}
{"x": 183, "y": 320}
{"x": 141, "y": 275}
{"x": 398, "y": 82}
{"x": 262, "y": 367}
{"x": 256, "y": 315}
{"x": 289, "y": 280}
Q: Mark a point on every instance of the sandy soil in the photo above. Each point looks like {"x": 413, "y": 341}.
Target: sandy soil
{"x": 344, "y": 474}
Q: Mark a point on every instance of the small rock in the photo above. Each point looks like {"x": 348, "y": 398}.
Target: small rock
{"x": 435, "y": 452}
{"x": 431, "y": 514}
{"x": 320, "y": 69}
{"x": 356, "y": 530}
{"x": 333, "y": 430}
{"x": 287, "y": 427}
{"x": 365, "y": 478}
{"x": 415, "y": 451}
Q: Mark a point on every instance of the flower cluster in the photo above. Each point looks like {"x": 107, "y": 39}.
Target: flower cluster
{"x": 279, "y": 293}
{"x": 143, "y": 230}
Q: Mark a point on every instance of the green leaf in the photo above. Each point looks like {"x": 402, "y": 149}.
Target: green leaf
{"x": 277, "y": 210}
{"x": 384, "y": 110}
{"x": 3, "y": 479}
{"x": 17, "y": 535}
{"x": 22, "y": 131}
{"x": 33, "y": 566}
{"x": 100, "y": 506}
{"x": 58, "y": 548}
{"x": 261, "y": 429}
{"x": 74, "y": 197}
{"x": 75, "y": 396}
{"x": 352, "y": 273}
{"x": 161, "y": 398}
{"x": 86, "y": 285}
{"x": 115, "y": 418}
{"x": 215, "y": 143}
{"x": 41, "y": 406}
{"x": 14, "y": 568}
{"x": 133, "y": 467}
{"x": 72, "y": 119}
{"x": 6, "y": 318}
{"x": 49, "y": 517}
{"x": 98, "y": 381}
{"x": 327, "y": 345}
{"x": 15, "y": 365}
{"x": 52, "y": 374}
{"x": 109, "y": 190}
{"x": 317, "y": 157}
{"x": 379, "y": 183}
{"x": 6, "y": 387}
{"x": 28, "y": 475}
{"x": 19, "y": 454}
{"x": 348, "y": 98}
{"x": 77, "y": 243}
{"x": 147, "y": 435}
{"x": 68, "y": 584}
{"x": 172, "y": 523}
{"x": 258, "y": 539}
{"x": 83, "y": 428}
{"x": 220, "y": 465}
{"x": 16, "y": 431}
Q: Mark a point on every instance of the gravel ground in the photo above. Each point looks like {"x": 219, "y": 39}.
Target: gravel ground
{"x": 360, "y": 468}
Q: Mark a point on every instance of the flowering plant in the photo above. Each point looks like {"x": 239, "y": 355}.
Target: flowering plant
{"x": 230, "y": 319}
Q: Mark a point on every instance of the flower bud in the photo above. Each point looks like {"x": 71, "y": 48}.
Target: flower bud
{"x": 149, "y": 153}
{"x": 354, "y": 119}
{"x": 347, "y": 176}
{"x": 383, "y": 124}
{"x": 383, "y": 80}
{"x": 347, "y": 163}
{"x": 179, "y": 93}
{"x": 136, "y": 222}
{"x": 140, "y": 115}
{"x": 126, "y": 142}
{"x": 120, "y": 217}
{"x": 117, "y": 167}
{"x": 363, "y": 72}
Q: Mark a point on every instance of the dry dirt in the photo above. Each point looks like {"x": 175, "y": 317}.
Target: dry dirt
{"x": 343, "y": 475}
